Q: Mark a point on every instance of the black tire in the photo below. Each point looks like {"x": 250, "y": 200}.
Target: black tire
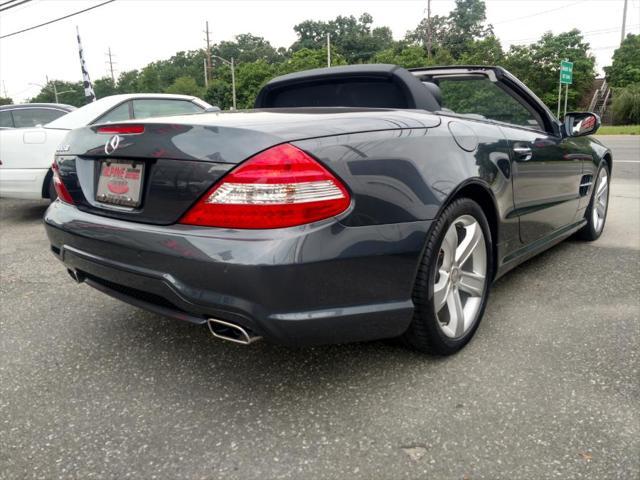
{"x": 590, "y": 232}
{"x": 425, "y": 333}
{"x": 53, "y": 195}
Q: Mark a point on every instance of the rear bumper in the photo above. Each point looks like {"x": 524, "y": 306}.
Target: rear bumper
{"x": 323, "y": 283}
{"x": 22, "y": 182}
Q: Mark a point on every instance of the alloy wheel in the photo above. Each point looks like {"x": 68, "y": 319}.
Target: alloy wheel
{"x": 600, "y": 199}
{"x": 460, "y": 277}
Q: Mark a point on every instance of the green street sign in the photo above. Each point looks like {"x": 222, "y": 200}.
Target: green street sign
{"x": 566, "y": 72}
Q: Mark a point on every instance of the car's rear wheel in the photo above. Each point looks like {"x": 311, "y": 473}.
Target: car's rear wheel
{"x": 453, "y": 280}
{"x": 53, "y": 195}
{"x": 596, "y": 214}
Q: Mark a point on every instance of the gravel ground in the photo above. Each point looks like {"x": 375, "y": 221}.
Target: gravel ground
{"x": 92, "y": 388}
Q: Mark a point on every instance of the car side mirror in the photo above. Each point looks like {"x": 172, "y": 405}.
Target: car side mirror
{"x": 579, "y": 124}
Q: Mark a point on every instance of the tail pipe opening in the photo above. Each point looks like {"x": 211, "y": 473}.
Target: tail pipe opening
{"x": 231, "y": 332}
{"x": 78, "y": 277}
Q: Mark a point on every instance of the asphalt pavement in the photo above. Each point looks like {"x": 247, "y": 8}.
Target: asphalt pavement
{"x": 91, "y": 388}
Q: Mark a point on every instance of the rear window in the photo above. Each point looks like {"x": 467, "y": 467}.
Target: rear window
{"x": 30, "y": 117}
{"x": 369, "y": 93}
{"x": 6, "y": 120}
{"x": 118, "y": 114}
{"x": 147, "y": 108}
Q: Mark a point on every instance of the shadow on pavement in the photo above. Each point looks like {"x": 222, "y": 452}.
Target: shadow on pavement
{"x": 261, "y": 369}
{"x": 25, "y": 211}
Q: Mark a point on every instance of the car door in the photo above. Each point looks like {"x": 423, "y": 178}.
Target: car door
{"x": 544, "y": 171}
{"x": 546, "y": 181}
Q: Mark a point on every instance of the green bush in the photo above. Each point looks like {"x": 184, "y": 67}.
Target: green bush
{"x": 626, "y": 104}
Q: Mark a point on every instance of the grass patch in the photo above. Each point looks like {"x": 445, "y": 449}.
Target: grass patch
{"x": 619, "y": 130}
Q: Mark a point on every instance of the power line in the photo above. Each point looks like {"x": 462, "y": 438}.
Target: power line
{"x": 56, "y": 20}
{"x": 538, "y": 14}
{"x": 14, "y": 5}
{"x": 590, "y": 33}
{"x": 7, "y": 3}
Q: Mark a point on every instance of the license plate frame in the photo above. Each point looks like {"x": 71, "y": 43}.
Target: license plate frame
{"x": 120, "y": 183}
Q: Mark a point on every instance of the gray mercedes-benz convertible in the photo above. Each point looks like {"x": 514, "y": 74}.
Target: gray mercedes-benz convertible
{"x": 353, "y": 203}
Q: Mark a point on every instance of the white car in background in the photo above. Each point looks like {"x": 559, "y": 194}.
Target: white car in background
{"x": 26, "y": 154}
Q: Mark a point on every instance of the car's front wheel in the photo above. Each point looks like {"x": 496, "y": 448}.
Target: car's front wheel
{"x": 596, "y": 213}
{"x": 453, "y": 280}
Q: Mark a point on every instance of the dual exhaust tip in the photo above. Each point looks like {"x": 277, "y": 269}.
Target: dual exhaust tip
{"x": 231, "y": 332}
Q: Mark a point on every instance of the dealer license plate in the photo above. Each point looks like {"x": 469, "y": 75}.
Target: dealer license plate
{"x": 120, "y": 183}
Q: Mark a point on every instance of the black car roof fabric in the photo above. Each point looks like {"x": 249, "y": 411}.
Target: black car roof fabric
{"x": 376, "y": 86}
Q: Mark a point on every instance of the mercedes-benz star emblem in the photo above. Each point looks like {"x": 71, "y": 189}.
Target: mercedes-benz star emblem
{"x": 112, "y": 144}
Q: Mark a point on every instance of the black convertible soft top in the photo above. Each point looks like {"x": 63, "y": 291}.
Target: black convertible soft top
{"x": 373, "y": 86}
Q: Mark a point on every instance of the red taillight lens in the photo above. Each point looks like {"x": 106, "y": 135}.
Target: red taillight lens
{"x": 280, "y": 187}
{"x": 122, "y": 129}
{"x": 61, "y": 190}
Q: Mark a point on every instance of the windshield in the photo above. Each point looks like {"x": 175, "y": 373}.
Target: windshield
{"x": 84, "y": 115}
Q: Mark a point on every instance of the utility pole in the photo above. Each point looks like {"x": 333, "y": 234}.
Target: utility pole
{"x": 4, "y": 87}
{"x": 113, "y": 78}
{"x": 233, "y": 82}
{"x": 208, "y": 76}
{"x": 232, "y": 64}
{"x": 624, "y": 20}
{"x": 559, "y": 97}
{"x": 328, "y": 49}
{"x": 55, "y": 90}
{"x": 429, "y": 33}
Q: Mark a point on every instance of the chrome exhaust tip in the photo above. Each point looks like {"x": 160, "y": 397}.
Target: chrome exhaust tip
{"x": 77, "y": 276}
{"x": 231, "y": 332}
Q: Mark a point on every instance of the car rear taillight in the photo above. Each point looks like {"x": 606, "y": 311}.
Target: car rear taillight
{"x": 280, "y": 187}
{"x": 121, "y": 129}
{"x": 61, "y": 190}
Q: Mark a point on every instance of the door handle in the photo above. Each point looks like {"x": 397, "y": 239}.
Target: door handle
{"x": 523, "y": 153}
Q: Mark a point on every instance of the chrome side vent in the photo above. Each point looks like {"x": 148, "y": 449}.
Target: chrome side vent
{"x": 585, "y": 184}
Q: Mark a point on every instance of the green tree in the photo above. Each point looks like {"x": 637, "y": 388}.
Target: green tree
{"x": 486, "y": 51}
{"x": 247, "y": 48}
{"x": 219, "y": 93}
{"x": 182, "y": 64}
{"x": 625, "y": 65}
{"x": 456, "y": 31}
{"x": 6, "y": 101}
{"x": 307, "y": 58}
{"x": 250, "y": 78}
{"x": 185, "y": 86}
{"x": 439, "y": 30}
{"x": 149, "y": 79}
{"x": 466, "y": 23}
{"x": 352, "y": 37}
{"x": 407, "y": 56}
{"x": 73, "y": 93}
{"x": 104, "y": 87}
{"x": 626, "y": 104}
{"x": 128, "y": 81}
{"x": 538, "y": 64}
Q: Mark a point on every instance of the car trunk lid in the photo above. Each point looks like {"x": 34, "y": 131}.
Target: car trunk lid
{"x": 177, "y": 160}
